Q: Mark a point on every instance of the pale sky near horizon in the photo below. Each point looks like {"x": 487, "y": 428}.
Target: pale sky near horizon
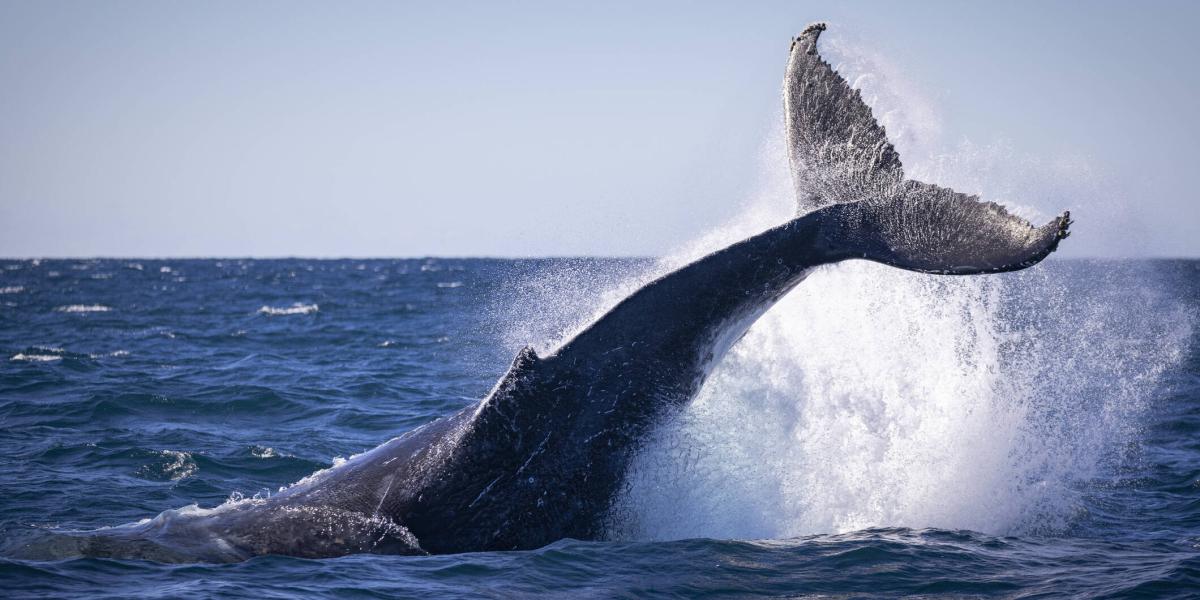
{"x": 557, "y": 128}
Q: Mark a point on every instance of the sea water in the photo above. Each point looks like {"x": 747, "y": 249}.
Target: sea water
{"x": 876, "y": 432}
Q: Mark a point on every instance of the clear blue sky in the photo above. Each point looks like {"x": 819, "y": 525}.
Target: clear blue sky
{"x": 555, "y": 128}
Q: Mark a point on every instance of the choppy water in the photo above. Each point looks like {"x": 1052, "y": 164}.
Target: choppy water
{"x": 877, "y": 433}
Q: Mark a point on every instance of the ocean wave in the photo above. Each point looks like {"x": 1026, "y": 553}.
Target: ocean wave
{"x": 294, "y": 309}
{"x": 263, "y": 452}
{"x": 450, "y": 284}
{"x": 40, "y": 354}
{"x": 36, "y": 357}
{"x": 172, "y": 465}
{"x": 83, "y": 308}
{"x": 12, "y": 289}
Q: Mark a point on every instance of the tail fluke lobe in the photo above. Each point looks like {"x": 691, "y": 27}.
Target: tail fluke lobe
{"x": 933, "y": 229}
{"x": 843, "y": 163}
{"x": 837, "y": 151}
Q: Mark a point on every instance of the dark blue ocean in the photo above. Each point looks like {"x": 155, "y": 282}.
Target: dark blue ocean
{"x": 877, "y": 434}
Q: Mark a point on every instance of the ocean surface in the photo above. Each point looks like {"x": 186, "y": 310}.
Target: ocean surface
{"x": 878, "y": 433}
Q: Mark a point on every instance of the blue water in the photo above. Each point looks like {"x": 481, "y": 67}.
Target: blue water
{"x": 129, "y": 387}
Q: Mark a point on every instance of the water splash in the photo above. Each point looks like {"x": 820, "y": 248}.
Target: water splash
{"x": 874, "y": 397}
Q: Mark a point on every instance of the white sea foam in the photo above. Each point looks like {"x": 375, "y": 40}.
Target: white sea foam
{"x": 294, "y": 309}
{"x": 83, "y": 308}
{"x": 449, "y": 284}
{"x": 12, "y": 289}
{"x": 181, "y": 464}
{"x": 35, "y": 357}
{"x": 263, "y": 452}
{"x": 175, "y": 466}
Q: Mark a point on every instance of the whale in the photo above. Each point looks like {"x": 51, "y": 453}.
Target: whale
{"x": 543, "y": 456}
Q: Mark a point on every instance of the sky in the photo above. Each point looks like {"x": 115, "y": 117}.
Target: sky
{"x": 169, "y": 129}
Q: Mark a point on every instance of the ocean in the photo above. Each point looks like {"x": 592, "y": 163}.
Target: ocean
{"x": 877, "y": 433}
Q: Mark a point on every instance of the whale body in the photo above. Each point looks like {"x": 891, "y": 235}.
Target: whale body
{"x": 542, "y": 456}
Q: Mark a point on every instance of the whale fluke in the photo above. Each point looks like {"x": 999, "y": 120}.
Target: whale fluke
{"x": 840, "y": 155}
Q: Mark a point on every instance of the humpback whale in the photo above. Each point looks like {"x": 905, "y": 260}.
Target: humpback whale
{"x": 541, "y": 457}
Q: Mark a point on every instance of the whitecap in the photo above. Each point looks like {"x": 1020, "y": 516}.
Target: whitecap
{"x": 178, "y": 465}
{"x": 36, "y": 357}
{"x": 295, "y": 309}
{"x": 263, "y": 452}
{"x": 12, "y": 289}
{"x": 181, "y": 464}
{"x": 450, "y": 284}
{"x": 83, "y": 308}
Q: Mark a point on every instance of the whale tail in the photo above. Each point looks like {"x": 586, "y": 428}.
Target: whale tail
{"x": 843, "y": 164}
